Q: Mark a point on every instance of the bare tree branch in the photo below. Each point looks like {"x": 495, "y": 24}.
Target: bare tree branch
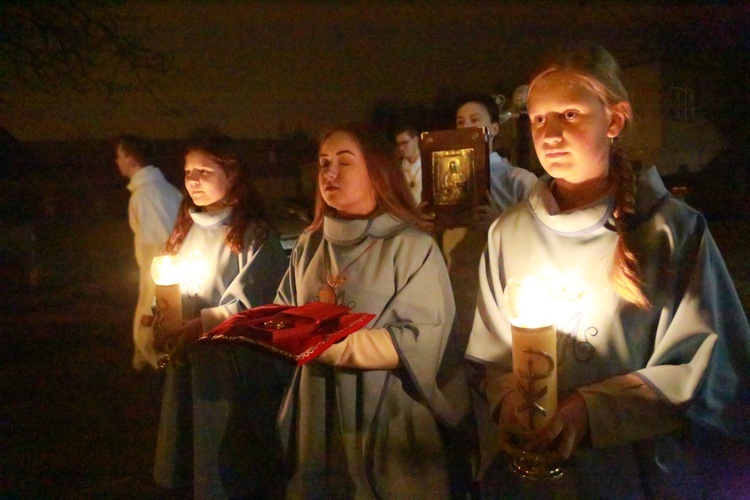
{"x": 79, "y": 45}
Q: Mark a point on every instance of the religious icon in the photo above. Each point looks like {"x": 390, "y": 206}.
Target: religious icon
{"x": 453, "y": 186}
{"x": 455, "y": 164}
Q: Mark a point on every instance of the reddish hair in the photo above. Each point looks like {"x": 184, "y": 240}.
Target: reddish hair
{"x": 599, "y": 72}
{"x": 247, "y": 209}
{"x": 392, "y": 195}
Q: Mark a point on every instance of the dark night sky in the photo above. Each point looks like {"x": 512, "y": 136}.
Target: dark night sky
{"x": 257, "y": 68}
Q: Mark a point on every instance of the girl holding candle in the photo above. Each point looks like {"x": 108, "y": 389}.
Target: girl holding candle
{"x": 378, "y": 414}
{"x": 654, "y": 338}
{"x": 231, "y": 261}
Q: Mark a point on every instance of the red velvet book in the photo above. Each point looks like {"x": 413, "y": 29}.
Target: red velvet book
{"x": 298, "y": 334}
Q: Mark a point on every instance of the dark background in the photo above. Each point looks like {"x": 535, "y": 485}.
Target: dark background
{"x": 75, "y": 420}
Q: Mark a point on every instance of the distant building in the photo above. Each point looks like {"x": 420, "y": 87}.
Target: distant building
{"x": 689, "y": 123}
{"x": 672, "y": 128}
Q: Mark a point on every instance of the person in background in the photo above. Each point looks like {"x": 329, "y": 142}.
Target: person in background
{"x": 152, "y": 209}
{"x": 509, "y": 185}
{"x": 407, "y": 145}
{"x": 655, "y": 339}
{"x": 383, "y": 413}
{"x": 215, "y": 432}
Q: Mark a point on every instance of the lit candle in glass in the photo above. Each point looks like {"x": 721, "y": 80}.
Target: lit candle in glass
{"x": 165, "y": 270}
{"x": 531, "y": 313}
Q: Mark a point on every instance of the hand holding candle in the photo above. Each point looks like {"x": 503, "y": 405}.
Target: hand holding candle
{"x": 531, "y": 311}
{"x": 534, "y": 350}
{"x": 165, "y": 271}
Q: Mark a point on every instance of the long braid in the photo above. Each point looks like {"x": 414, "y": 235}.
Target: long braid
{"x": 624, "y": 273}
{"x": 598, "y": 70}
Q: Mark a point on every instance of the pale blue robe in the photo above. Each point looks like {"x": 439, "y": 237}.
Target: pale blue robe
{"x": 691, "y": 347}
{"x": 222, "y": 400}
{"x": 378, "y": 433}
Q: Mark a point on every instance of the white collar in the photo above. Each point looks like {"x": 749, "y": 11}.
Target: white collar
{"x": 411, "y": 167}
{"x": 352, "y": 231}
{"x": 579, "y": 221}
{"x": 650, "y": 194}
{"x": 210, "y": 219}
{"x": 145, "y": 174}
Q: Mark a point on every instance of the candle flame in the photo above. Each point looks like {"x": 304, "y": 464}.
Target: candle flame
{"x": 165, "y": 270}
{"x": 529, "y": 303}
{"x": 536, "y": 301}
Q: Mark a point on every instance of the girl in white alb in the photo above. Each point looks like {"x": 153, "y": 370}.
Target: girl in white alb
{"x": 655, "y": 339}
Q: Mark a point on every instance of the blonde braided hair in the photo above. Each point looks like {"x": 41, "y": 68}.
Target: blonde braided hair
{"x": 600, "y": 73}
{"x": 624, "y": 273}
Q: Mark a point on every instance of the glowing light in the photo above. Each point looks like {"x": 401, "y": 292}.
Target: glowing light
{"x": 165, "y": 270}
{"x": 532, "y": 316}
{"x": 530, "y": 302}
{"x": 193, "y": 273}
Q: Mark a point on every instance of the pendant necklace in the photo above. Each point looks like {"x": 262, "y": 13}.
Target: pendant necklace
{"x": 412, "y": 178}
{"x": 327, "y": 294}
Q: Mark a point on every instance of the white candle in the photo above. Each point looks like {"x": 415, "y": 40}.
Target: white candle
{"x": 534, "y": 350}
{"x": 165, "y": 271}
{"x": 535, "y": 370}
